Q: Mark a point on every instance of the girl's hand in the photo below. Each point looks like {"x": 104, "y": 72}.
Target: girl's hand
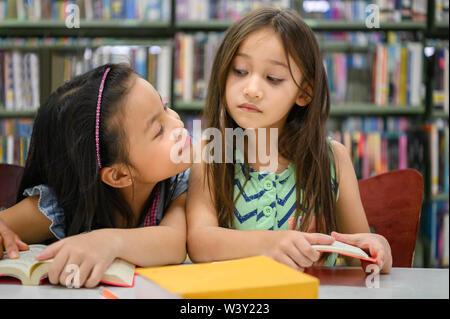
{"x": 293, "y": 248}
{"x": 376, "y": 245}
{"x": 91, "y": 253}
{"x": 10, "y": 242}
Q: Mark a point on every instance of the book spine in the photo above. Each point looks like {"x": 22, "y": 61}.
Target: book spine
{"x": 34, "y": 78}
{"x": 164, "y": 74}
{"x": 188, "y": 65}
{"x": 18, "y": 79}
{"x": 446, "y": 159}
{"x": 9, "y": 81}
{"x": 446, "y": 80}
{"x": 434, "y": 160}
{"x": 403, "y": 142}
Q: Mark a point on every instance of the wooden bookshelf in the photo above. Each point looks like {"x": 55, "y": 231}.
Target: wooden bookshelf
{"x": 439, "y": 197}
{"x": 317, "y": 25}
{"x": 88, "y": 28}
{"x": 14, "y": 114}
{"x": 367, "y": 109}
{"x": 356, "y": 109}
{"x": 439, "y": 114}
{"x": 327, "y": 25}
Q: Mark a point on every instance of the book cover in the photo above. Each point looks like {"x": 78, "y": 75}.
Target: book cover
{"x": 253, "y": 277}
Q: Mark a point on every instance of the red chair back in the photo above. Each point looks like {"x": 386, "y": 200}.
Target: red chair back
{"x": 10, "y": 176}
{"x": 393, "y": 202}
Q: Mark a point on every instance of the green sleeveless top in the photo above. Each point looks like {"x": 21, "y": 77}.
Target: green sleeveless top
{"x": 269, "y": 199}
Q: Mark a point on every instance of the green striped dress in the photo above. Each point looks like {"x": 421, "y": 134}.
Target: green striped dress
{"x": 269, "y": 199}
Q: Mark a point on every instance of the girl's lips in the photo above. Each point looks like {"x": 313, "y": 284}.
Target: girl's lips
{"x": 249, "y": 108}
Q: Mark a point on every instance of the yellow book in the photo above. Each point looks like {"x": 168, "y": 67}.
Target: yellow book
{"x": 403, "y": 76}
{"x": 257, "y": 277}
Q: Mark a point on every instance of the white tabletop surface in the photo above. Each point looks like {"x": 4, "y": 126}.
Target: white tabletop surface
{"x": 335, "y": 283}
{"x": 400, "y": 283}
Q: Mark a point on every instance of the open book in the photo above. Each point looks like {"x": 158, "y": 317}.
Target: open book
{"x": 30, "y": 271}
{"x": 344, "y": 249}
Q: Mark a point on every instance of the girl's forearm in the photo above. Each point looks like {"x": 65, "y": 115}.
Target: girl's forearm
{"x": 207, "y": 244}
{"x": 150, "y": 246}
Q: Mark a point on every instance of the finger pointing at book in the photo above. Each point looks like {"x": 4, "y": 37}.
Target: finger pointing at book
{"x": 83, "y": 257}
{"x": 10, "y": 242}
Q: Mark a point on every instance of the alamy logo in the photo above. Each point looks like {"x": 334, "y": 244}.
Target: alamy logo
{"x": 373, "y": 279}
{"x": 213, "y": 152}
{"x": 73, "y": 16}
{"x": 373, "y": 17}
{"x": 73, "y": 279}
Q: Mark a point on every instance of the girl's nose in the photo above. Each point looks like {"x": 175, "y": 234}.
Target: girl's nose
{"x": 252, "y": 90}
{"x": 174, "y": 114}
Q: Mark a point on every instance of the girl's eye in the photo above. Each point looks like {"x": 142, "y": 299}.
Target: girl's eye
{"x": 239, "y": 72}
{"x": 274, "y": 80}
{"x": 161, "y": 131}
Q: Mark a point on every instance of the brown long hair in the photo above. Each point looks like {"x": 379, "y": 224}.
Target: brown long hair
{"x": 303, "y": 140}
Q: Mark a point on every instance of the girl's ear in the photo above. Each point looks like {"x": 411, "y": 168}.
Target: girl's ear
{"x": 115, "y": 176}
{"x": 305, "y": 96}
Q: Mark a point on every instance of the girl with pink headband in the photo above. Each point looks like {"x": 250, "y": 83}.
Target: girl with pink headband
{"x": 99, "y": 181}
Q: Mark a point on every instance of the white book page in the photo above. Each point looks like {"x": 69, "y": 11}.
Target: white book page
{"x": 26, "y": 260}
{"x": 338, "y": 247}
{"x": 120, "y": 271}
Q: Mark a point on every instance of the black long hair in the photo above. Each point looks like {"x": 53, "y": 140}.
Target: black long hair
{"x": 62, "y": 153}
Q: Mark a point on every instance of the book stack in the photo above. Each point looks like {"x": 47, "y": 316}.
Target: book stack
{"x": 105, "y": 10}
{"x": 437, "y": 134}
{"x": 19, "y": 80}
{"x": 357, "y": 10}
{"x": 397, "y": 77}
{"x": 203, "y": 10}
{"x": 349, "y": 77}
{"x": 441, "y": 11}
{"x": 439, "y": 60}
{"x": 378, "y": 145}
{"x": 15, "y": 140}
{"x": 194, "y": 55}
{"x": 385, "y": 74}
{"x": 435, "y": 228}
{"x": 152, "y": 62}
{"x": 388, "y": 73}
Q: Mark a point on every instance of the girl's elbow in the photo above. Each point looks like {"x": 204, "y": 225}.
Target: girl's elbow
{"x": 180, "y": 251}
{"x": 198, "y": 252}
{"x": 180, "y": 256}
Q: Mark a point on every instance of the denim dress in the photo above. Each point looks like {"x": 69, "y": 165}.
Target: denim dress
{"x": 48, "y": 203}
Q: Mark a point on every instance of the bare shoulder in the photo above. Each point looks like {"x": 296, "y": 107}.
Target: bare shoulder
{"x": 344, "y": 165}
{"x": 340, "y": 151}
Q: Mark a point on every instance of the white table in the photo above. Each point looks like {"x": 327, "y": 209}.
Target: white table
{"x": 339, "y": 282}
{"x": 400, "y": 283}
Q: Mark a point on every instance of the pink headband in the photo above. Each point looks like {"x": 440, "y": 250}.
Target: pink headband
{"x": 97, "y": 118}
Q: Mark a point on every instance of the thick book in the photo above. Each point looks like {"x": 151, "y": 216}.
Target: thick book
{"x": 253, "y": 277}
{"x": 31, "y": 272}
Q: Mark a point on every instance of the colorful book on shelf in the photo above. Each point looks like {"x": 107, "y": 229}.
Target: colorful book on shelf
{"x": 31, "y": 272}
{"x": 256, "y": 277}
